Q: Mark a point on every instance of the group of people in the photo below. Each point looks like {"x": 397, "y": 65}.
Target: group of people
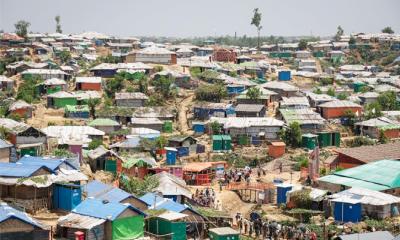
{"x": 205, "y": 197}
{"x": 259, "y": 228}
{"x": 239, "y": 175}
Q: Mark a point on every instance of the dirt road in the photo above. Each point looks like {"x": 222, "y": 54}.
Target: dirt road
{"x": 182, "y": 114}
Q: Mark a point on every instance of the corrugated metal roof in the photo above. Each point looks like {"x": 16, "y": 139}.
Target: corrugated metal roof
{"x": 249, "y": 108}
{"x": 381, "y": 235}
{"x": 5, "y": 144}
{"x": 170, "y": 185}
{"x": 243, "y": 122}
{"x": 19, "y": 104}
{"x": 7, "y": 212}
{"x": 103, "y": 122}
{"x": 302, "y": 116}
{"x": 78, "y": 221}
{"x": 101, "y": 209}
{"x": 150, "y": 198}
{"x": 88, "y": 80}
{"x": 339, "y": 104}
{"x": 104, "y": 191}
{"x": 130, "y": 95}
{"x": 373, "y": 153}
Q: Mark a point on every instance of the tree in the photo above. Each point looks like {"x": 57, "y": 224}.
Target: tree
{"x": 21, "y": 28}
{"x": 388, "y": 30}
{"x": 143, "y": 85}
{"x": 253, "y": 93}
{"x": 292, "y": 135}
{"x": 339, "y": 33}
{"x": 303, "y": 44}
{"x": 93, "y": 103}
{"x": 342, "y": 96}
{"x": 161, "y": 142}
{"x": 331, "y": 92}
{"x": 138, "y": 186}
{"x": 214, "y": 92}
{"x": 215, "y": 127}
{"x": 114, "y": 85}
{"x": 256, "y": 21}
{"x": 382, "y": 137}
{"x": 58, "y": 25}
{"x": 373, "y": 110}
{"x": 388, "y": 101}
{"x": 95, "y": 143}
{"x": 163, "y": 85}
{"x": 65, "y": 56}
{"x": 352, "y": 40}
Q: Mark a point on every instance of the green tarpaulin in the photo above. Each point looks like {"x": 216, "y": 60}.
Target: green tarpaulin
{"x": 128, "y": 228}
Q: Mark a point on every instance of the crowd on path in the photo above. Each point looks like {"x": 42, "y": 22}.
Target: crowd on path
{"x": 205, "y": 197}
{"x": 258, "y": 228}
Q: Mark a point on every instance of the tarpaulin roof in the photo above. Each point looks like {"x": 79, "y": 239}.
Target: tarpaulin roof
{"x": 172, "y": 216}
{"x": 74, "y": 220}
{"x": 104, "y": 191}
{"x": 51, "y": 163}
{"x": 103, "y": 122}
{"x": 150, "y": 198}
{"x": 378, "y": 176}
{"x": 19, "y": 170}
{"x": 170, "y": 185}
{"x": 7, "y": 212}
{"x": 62, "y": 175}
{"x": 101, "y": 209}
{"x": 365, "y": 196}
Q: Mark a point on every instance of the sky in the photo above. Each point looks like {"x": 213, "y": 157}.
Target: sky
{"x": 190, "y": 18}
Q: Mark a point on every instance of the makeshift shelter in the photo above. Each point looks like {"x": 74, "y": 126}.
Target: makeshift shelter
{"x": 106, "y": 125}
{"x": 376, "y": 126}
{"x": 15, "y": 224}
{"x": 381, "y": 235}
{"x": 168, "y": 224}
{"x": 5, "y": 151}
{"x": 134, "y": 99}
{"x": 308, "y": 119}
{"x": 374, "y": 204}
{"x": 352, "y": 157}
{"x": 88, "y": 83}
{"x": 77, "y": 111}
{"x": 337, "y": 108}
{"x": 121, "y": 221}
{"x": 224, "y": 233}
{"x": 104, "y": 159}
{"x": 92, "y": 228}
{"x": 202, "y": 173}
{"x": 27, "y": 139}
{"x": 172, "y": 187}
{"x": 102, "y": 191}
{"x": 21, "y": 108}
{"x": 379, "y": 176}
{"x": 137, "y": 165}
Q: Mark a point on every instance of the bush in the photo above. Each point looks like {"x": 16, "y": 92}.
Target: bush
{"x": 213, "y": 93}
{"x": 301, "y": 199}
{"x": 158, "y": 68}
{"x": 95, "y": 143}
{"x": 292, "y": 135}
{"x": 139, "y": 187}
{"x": 361, "y": 141}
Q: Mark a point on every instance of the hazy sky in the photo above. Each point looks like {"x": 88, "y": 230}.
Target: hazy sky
{"x": 202, "y": 17}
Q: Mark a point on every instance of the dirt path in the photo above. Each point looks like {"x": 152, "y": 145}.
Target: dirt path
{"x": 182, "y": 114}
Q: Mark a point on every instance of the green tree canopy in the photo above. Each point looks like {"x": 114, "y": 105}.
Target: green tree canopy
{"x": 213, "y": 92}
{"x": 21, "y": 28}
{"x": 253, "y": 93}
{"x": 388, "y": 30}
{"x": 303, "y": 44}
{"x": 58, "y": 25}
{"x": 388, "y": 101}
{"x": 256, "y": 21}
{"x": 339, "y": 33}
{"x": 373, "y": 110}
{"x": 292, "y": 135}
